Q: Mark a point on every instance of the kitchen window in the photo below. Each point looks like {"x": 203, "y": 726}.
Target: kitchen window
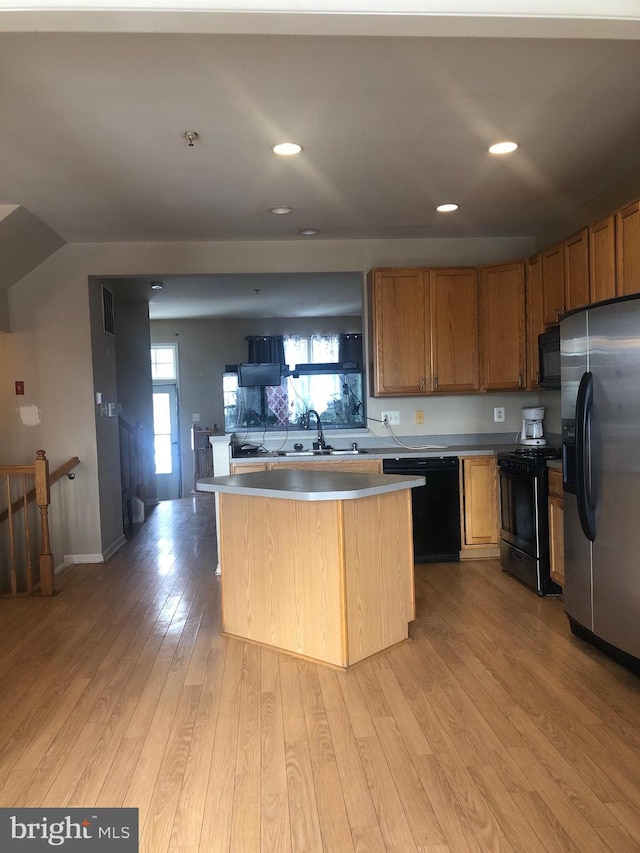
{"x": 313, "y": 378}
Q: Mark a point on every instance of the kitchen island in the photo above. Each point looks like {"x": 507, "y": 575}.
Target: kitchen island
{"x": 316, "y": 564}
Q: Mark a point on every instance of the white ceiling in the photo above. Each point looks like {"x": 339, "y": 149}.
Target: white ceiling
{"x": 93, "y": 125}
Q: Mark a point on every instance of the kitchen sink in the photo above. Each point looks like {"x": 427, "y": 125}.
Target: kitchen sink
{"x": 325, "y": 452}
{"x": 303, "y": 452}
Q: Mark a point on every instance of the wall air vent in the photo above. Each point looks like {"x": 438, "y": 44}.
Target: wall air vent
{"x": 108, "y": 324}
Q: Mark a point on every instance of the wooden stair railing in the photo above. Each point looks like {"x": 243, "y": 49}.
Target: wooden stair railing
{"x": 43, "y": 480}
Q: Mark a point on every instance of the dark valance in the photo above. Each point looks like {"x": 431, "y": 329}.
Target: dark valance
{"x": 265, "y": 349}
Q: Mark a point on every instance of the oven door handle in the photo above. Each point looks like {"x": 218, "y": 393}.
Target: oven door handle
{"x": 586, "y": 510}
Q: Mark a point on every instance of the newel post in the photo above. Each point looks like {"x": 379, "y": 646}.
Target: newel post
{"x": 41, "y": 471}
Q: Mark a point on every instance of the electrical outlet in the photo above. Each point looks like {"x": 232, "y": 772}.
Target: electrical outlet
{"x": 498, "y": 415}
{"x": 392, "y": 418}
{"x": 419, "y": 416}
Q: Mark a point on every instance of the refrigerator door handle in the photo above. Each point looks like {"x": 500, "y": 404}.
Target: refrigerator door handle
{"x": 586, "y": 510}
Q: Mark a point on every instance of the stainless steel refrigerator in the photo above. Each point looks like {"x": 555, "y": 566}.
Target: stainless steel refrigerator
{"x": 600, "y": 369}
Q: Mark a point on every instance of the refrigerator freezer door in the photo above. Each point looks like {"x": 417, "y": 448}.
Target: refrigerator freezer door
{"x": 614, "y": 358}
{"x": 574, "y": 361}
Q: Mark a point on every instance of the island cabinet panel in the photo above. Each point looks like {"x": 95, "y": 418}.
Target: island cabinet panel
{"x": 327, "y": 580}
{"x": 535, "y": 319}
{"x": 628, "y": 249}
{"x": 399, "y": 332}
{"x": 553, "y": 283}
{"x": 576, "y": 270}
{"x": 502, "y": 327}
{"x": 278, "y": 588}
{"x": 480, "y": 507}
{"x": 378, "y": 550}
{"x": 602, "y": 259}
{"x": 453, "y": 298}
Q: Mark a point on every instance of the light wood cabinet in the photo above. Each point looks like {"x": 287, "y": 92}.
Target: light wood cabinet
{"x": 353, "y": 466}
{"x": 553, "y": 283}
{"x": 247, "y": 467}
{"x": 628, "y": 249}
{"x": 556, "y": 527}
{"x": 576, "y": 270}
{"x": 479, "y": 511}
{"x": 602, "y": 259}
{"x": 399, "y": 332}
{"x": 535, "y": 319}
{"x": 453, "y": 297}
{"x": 502, "y": 327}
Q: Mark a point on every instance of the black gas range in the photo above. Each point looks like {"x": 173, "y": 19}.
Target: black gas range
{"x": 524, "y": 492}
{"x": 530, "y": 457}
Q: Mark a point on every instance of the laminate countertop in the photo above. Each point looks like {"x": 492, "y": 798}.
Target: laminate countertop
{"x": 424, "y": 452}
{"x": 300, "y": 485}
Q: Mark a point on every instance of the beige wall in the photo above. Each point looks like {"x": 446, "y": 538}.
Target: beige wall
{"x": 6, "y": 399}
{"x": 52, "y": 349}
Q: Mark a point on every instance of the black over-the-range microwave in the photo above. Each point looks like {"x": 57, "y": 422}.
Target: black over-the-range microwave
{"x": 549, "y": 358}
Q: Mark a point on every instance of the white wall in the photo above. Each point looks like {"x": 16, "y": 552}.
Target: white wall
{"x": 52, "y": 351}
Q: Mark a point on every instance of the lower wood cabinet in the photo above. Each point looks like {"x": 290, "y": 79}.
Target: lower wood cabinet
{"x": 247, "y": 467}
{"x": 556, "y": 527}
{"x": 355, "y": 466}
{"x": 479, "y": 510}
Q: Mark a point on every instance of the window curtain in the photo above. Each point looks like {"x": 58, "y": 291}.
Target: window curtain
{"x": 312, "y": 349}
{"x": 267, "y": 349}
{"x": 351, "y": 349}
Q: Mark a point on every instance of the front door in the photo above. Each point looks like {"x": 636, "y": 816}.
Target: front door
{"x": 166, "y": 441}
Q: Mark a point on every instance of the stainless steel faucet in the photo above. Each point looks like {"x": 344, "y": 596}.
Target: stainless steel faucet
{"x": 320, "y": 444}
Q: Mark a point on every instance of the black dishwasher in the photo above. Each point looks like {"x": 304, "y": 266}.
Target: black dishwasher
{"x": 436, "y": 506}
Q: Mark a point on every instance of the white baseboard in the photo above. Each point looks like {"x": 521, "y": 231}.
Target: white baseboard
{"x": 73, "y": 559}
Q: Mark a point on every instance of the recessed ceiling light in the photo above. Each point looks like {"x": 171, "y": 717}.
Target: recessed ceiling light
{"x": 156, "y": 285}
{"x": 503, "y": 147}
{"x": 447, "y": 208}
{"x": 309, "y": 232}
{"x": 280, "y": 210}
{"x": 286, "y": 149}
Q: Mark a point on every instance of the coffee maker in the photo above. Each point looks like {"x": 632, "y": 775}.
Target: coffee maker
{"x": 532, "y": 433}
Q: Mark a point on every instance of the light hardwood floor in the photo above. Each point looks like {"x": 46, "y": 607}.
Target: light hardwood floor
{"x": 492, "y": 729}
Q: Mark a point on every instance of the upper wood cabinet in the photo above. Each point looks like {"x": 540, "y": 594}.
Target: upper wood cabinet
{"x": 453, "y": 299}
{"x": 535, "y": 318}
{"x": 602, "y": 259}
{"x": 502, "y": 327}
{"x": 628, "y": 249}
{"x": 576, "y": 270}
{"x": 399, "y": 343}
{"x": 553, "y": 283}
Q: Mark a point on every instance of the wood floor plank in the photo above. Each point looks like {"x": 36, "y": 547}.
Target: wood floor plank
{"x": 274, "y": 830}
{"x": 357, "y": 796}
{"x": 189, "y": 816}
